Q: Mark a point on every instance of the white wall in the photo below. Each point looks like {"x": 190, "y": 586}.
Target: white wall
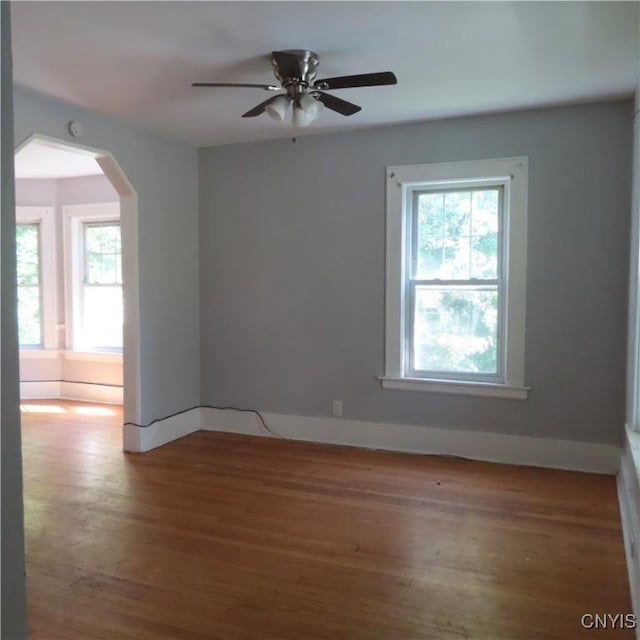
{"x": 165, "y": 177}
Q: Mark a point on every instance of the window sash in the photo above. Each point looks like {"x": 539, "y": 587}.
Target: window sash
{"x": 471, "y": 284}
{"x": 412, "y": 371}
{"x": 34, "y": 285}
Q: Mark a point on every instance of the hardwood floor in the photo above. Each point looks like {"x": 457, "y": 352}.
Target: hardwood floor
{"x": 219, "y": 536}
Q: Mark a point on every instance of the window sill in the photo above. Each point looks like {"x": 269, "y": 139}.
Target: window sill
{"x": 93, "y": 356}
{"x": 458, "y": 387}
{"x": 82, "y": 356}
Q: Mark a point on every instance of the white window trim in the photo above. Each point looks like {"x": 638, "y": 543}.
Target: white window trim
{"x": 44, "y": 216}
{"x": 74, "y": 217}
{"x": 401, "y": 180}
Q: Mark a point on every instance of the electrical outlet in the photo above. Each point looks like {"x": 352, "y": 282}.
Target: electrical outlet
{"x": 337, "y": 408}
{"x": 632, "y": 550}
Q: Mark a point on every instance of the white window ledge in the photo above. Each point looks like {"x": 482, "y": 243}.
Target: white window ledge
{"x": 83, "y": 356}
{"x": 457, "y": 387}
{"x": 93, "y": 356}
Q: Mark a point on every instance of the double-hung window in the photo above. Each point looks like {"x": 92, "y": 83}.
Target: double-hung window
{"x": 456, "y": 274}
{"x": 35, "y": 264}
{"x": 95, "y": 273}
{"x": 29, "y": 270}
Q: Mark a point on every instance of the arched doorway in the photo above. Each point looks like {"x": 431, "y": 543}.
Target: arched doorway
{"x": 128, "y": 221}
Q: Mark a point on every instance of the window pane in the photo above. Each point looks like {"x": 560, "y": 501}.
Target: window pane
{"x": 102, "y": 254}
{"x": 484, "y": 229}
{"x": 29, "y": 324}
{"x": 457, "y": 214}
{"x": 431, "y": 213}
{"x": 430, "y": 235}
{"x": 455, "y": 330}
{"x": 484, "y": 216}
{"x": 102, "y": 317}
{"x": 484, "y": 256}
{"x": 28, "y": 253}
{"x": 456, "y": 259}
{"x": 430, "y": 257}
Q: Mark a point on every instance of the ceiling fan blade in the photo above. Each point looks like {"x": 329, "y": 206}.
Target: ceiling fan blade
{"x": 258, "y": 109}
{"x": 337, "y": 104}
{"x": 266, "y": 87}
{"x": 361, "y": 80}
{"x": 288, "y": 64}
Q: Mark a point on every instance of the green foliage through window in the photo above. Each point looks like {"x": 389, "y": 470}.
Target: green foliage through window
{"x": 29, "y": 292}
{"x": 103, "y": 254}
{"x": 455, "y": 286}
{"x": 102, "y": 311}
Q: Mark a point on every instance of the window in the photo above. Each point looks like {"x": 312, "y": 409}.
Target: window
{"x": 29, "y": 285}
{"x": 456, "y": 260}
{"x": 36, "y": 277}
{"x": 93, "y": 233}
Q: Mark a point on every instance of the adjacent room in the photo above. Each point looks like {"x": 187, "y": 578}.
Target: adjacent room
{"x": 320, "y": 320}
{"x": 69, "y": 272}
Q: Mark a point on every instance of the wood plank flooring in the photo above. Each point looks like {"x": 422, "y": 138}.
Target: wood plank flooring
{"x": 226, "y": 537}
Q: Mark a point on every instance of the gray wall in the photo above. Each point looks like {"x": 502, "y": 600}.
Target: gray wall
{"x": 36, "y": 192}
{"x": 83, "y": 190}
{"x": 44, "y": 192}
{"x": 164, "y": 175}
{"x": 13, "y": 591}
{"x": 292, "y": 271}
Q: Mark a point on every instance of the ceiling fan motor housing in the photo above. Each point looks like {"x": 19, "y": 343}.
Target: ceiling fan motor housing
{"x": 302, "y": 69}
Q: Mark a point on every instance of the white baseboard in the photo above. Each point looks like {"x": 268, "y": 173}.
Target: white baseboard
{"x": 141, "y": 439}
{"x": 491, "y": 447}
{"x": 104, "y": 394}
{"x": 629, "y": 499}
{"x": 61, "y": 390}
{"x": 40, "y": 390}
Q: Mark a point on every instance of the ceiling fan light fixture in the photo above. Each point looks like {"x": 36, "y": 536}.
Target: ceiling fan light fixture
{"x": 312, "y": 107}
{"x": 299, "y": 118}
{"x": 277, "y": 109}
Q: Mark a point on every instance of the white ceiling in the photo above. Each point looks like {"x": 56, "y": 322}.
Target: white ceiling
{"x": 41, "y": 160}
{"x": 136, "y": 60}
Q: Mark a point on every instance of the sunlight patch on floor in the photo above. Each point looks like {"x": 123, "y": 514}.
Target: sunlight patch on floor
{"x": 42, "y": 408}
{"x": 80, "y": 410}
{"x": 93, "y": 411}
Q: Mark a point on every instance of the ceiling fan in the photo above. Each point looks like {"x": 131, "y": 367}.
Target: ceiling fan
{"x": 296, "y": 69}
